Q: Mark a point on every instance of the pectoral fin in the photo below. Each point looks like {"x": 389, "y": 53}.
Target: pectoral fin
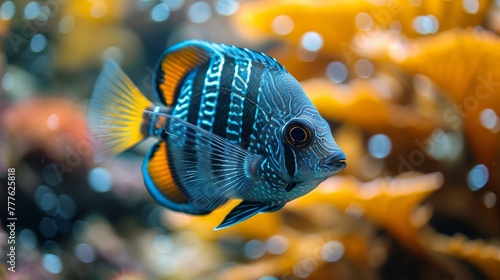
{"x": 246, "y": 210}
{"x": 209, "y": 170}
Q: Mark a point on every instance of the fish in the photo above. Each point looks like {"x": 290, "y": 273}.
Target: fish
{"x": 230, "y": 123}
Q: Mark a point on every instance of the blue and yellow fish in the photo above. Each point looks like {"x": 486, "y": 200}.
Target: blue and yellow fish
{"x": 231, "y": 123}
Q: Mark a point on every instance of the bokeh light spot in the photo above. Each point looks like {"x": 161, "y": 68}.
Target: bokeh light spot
{"x": 163, "y": 244}
{"x": 99, "y": 9}
{"x": 43, "y": 13}
{"x": 7, "y": 81}
{"x": 311, "y": 41}
{"x": 277, "y": 244}
{"x": 364, "y": 21}
{"x": 67, "y": 207}
{"x": 40, "y": 192}
{"x": 27, "y": 239}
{"x": 254, "y": 249}
{"x": 489, "y": 118}
{"x": 364, "y": 68}
{"x": 282, "y": 24}
{"x": 332, "y": 251}
{"x": 426, "y": 24}
{"x": 478, "y": 177}
{"x": 7, "y": 10}
{"x": 52, "y": 263}
{"x": 304, "y": 268}
{"x": 85, "y": 253}
{"x": 31, "y": 10}
{"x": 489, "y": 199}
{"x": 53, "y": 122}
{"x": 48, "y": 227}
{"x": 199, "y": 12}
{"x": 38, "y": 43}
{"x": 471, "y": 6}
{"x": 99, "y": 179}
{"x": 337, "y": 72}
{"x": 226, "y": 7}
{"x": 379, "y": 145}
{"x": 48, "y": 202}
{"x": 174, "y": 4}
{"x": 160, "y": 12}
{"x": 66, "y": 24}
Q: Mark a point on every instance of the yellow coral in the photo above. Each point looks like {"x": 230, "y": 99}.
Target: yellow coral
{"x": 464, "y": 63}
{"x": 390, "y": 202}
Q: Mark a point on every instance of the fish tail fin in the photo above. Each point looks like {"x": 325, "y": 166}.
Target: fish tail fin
{"x": 115, "y": 113}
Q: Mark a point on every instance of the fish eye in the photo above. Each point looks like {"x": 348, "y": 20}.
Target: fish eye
{"x": 297, "y": 134}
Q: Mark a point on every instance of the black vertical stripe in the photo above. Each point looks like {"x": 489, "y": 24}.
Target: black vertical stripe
{"x": 158, "y": 81}
{"x": 249, "y": 107}
{"x": 197, "y": 92}
{"x": 289, "y": 160}
{"x": 224, "y": 98}
{"x": 222, "y": 111}
{"x": 189, "y": 149}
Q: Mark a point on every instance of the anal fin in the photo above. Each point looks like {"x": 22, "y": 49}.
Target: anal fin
{"x": 160, "y": 184}
{"x": 246, "y": 210}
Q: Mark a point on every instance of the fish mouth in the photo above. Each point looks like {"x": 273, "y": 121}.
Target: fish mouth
{"x": 336, "y": 161}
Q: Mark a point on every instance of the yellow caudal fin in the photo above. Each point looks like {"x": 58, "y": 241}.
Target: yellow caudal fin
{"x": 115, "y": 113}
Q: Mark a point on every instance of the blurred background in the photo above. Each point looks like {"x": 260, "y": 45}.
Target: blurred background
{"x": 411, "y": 89}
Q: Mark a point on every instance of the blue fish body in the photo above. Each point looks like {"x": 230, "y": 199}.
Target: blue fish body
{"x": 232, "y": 123}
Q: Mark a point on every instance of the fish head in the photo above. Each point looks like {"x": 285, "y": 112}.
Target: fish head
{"x": 301, "y": 148}
{"x": 309, "y": 151}
{"x": 298, "y": 142}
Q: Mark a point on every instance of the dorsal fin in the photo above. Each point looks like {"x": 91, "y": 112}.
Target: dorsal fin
{"x": 178, "y": 60}
{"x": 174, "y": 65}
